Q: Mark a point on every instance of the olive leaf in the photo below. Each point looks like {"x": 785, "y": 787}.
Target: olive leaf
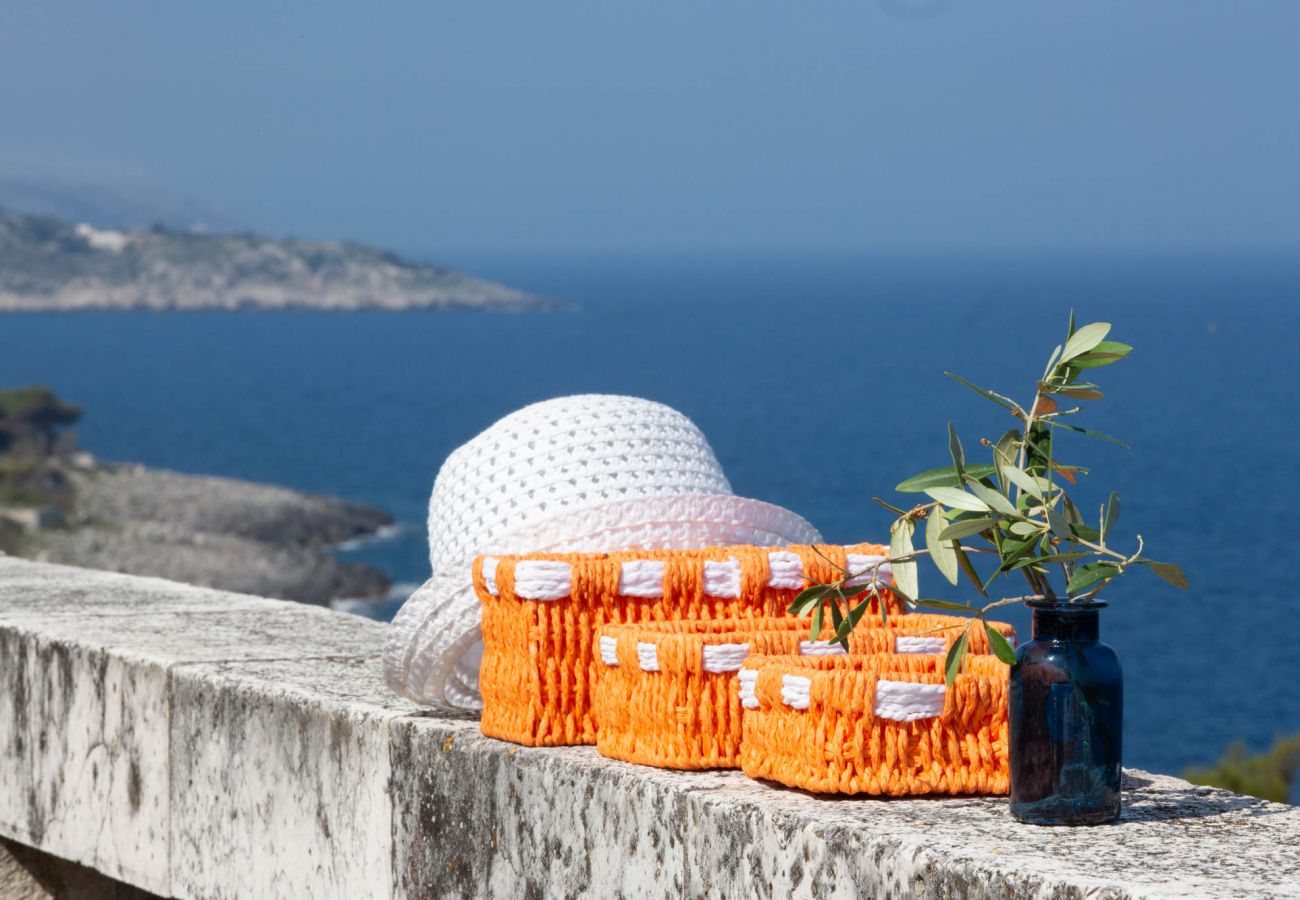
{"x": 1000, "y": 646}
{"x": 1111, "y": 516}
{"x": 900, "y": 546}
{"x": 944, "y": 476}
{"x": 1083, "y": 340}
{"x": 941, "y": 552}
{"x": 956, "y": 654}
{"x": 957, "y": 499}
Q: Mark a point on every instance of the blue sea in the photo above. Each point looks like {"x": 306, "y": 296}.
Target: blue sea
{"x": 819, "y": 380}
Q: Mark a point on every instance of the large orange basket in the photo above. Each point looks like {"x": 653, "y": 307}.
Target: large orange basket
{"x": 541, "y": 612}
{"x": 667, "y": 692}
{"x": 876, "y": 724}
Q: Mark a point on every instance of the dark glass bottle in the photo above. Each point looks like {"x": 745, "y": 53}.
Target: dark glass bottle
{"x": 1066, "y": 720}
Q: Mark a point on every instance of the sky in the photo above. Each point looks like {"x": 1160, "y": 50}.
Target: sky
{"x": 521, "y": 127}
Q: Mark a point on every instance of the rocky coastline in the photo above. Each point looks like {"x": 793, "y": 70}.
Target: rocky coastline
{"x": 216, "y": 532}
{"x": 52, "y": 265}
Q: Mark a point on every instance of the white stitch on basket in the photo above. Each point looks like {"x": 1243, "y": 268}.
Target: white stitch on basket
{"x": 722, "y": 579}
{"x": 794, "y": 691}
{"x": 860, "y": 565}
{"x": 907, "y": 701}
{"x": 609, "y": 650}
{"x": 821, "y": 648}
{"x": 490, "y": 564}
{"x": 724, "y": 657}
{"x": 543, "y": 579}
{"x": 748, "y": 678}
{"x": 919, "y": 644}
{"x": 641, "y": 578}
{"x": 786, "y": 569}
{"x": 648, "y": 656}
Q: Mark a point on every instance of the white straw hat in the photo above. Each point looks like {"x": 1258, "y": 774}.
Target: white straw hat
{"x": 587, "y": 473}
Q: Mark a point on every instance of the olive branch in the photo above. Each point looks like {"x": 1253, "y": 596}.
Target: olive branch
{"x": 1017, "y": 506}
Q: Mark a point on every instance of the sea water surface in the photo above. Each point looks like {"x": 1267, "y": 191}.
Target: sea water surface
{"x": 820, "y": 382}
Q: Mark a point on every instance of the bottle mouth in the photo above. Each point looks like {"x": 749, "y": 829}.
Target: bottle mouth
{"x": 1066, "y": 606}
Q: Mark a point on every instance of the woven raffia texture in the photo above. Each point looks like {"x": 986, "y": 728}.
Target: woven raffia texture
{"x": 877, "y": 725}
{"x": 541, "y": 612}
{"x": 667, "y": 693}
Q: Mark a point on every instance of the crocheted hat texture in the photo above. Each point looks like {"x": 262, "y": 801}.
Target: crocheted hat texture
{"x": 592, "y": 472}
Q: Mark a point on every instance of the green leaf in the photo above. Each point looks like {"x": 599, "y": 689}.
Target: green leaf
{"x": 946, "y": 605}
{"x": 1057, "y": 423}
{"x": 1004, "y": 454}
{"x": 955, "y": 450}
{"x": 817, "y": 621}
{"x": 957, "y": 499}
{"x": 1024, "y": 529}
{"x": 1004, "y": 402}
{"x": 1023, "y": 480}
{"x": 1085, "y": 339}
{"x": 808, "y": 596}
{"x": 1059, "y": 524}
{"x": 1104, "y": 354}
{"x": 900, "y": 594}
{"x": 944, "y": 476}
{"x": 1112, "y": 514}
{"x": 1085, "y": 531}
{"x": 1051, "y": 362}
{"x": 956, "y": 654}
{"x": 940, "y": 551}
{"x": 1085, "y": 577}
{"x": 966, "y": 527}
{"x": 889, "y": 506}
{"x": 1167, "y": 571}
{"x": 900, "y": 545}
{"x": 1047, "y": 560}
{"x": 992, "y": 499}
{"x": 1000, "y": 646}
{"x": 967, "y": 568}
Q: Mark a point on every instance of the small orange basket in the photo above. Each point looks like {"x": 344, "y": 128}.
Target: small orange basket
{"x": 885, "y": 725}
{"x": 541, "y": 612}
{"x": 667, "y": 692}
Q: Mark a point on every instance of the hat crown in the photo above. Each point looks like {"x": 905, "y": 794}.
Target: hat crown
{"x": 558, "y": 456}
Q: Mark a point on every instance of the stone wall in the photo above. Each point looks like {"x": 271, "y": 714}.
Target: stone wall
{"x": 194, "y": 743}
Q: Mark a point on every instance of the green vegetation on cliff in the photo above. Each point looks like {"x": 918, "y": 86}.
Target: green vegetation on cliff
{"x": 1270, "y": 775}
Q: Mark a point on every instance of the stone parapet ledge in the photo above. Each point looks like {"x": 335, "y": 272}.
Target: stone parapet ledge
{"x": 195, "y": 743}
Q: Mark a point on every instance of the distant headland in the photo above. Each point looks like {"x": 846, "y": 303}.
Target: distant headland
{"x": 50, "y": 264}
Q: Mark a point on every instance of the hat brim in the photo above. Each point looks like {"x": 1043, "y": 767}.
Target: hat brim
{"x": 434, "y": 644}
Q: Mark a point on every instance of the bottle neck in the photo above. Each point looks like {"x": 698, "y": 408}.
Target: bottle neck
{"x": 1066, "y": 624}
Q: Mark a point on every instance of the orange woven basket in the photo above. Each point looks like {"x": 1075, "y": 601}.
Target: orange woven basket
{"x": 667, "y": 692}
{"x": 876, "y": 724}
{"x": 541, "y": 611}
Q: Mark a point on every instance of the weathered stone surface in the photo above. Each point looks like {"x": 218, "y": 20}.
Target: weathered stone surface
{"x": 86, "y": 667}
{"x": 200, "y": 744}
{"x": 44, "y": 592}
{"x": 485, "y": 820}
{"x": 280, "y": 779}
{"x": 83, "y": 760}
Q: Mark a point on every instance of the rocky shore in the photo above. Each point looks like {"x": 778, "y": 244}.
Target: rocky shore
{"x": 217, "y": 532}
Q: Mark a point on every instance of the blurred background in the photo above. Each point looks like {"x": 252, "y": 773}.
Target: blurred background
{"x": 318, "y": 246}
